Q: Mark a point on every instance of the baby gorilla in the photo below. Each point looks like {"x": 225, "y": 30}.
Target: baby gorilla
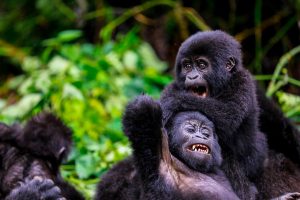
{"x": 190, "y": 171}
{"x": 34, "y": 151}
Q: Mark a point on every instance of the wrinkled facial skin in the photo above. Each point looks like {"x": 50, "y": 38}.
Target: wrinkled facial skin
{"x": 206, "y": 61}
{"x": 194, "y": 142}
{"x": 194, "y": 71}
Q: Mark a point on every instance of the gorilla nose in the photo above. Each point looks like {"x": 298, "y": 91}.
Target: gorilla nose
{"x": 193, "y": 77}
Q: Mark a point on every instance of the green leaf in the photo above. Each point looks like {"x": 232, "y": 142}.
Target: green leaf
{"x": 130, "y": 60}
{"x": 150, "y": 59}
{"x": 43, "y": 82}
{"x": 59, "y": 65}
{"x": 26, "y": 87}
{"x": 31, "y": 64}
{"x": 23, "y": 107}
{"x": 2, "y": 104}
{"x": 70, "y": 91}
{"x": 114, "y": 60}
{"x": 16, "y": 81}
{"x": 69, "y": 35}
{"x": 86, "y": 165}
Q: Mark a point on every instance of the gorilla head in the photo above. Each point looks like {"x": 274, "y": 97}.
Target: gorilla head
{"x": 193, "y": 140}
{"x": 46, "y": 136}
{"x": 205, "y": 62}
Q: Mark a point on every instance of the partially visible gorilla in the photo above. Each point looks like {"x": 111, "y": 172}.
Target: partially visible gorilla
{"x": 280, "y": 176}
{"x": 189, "y": 170}
{"x": 282, "y": 135}
{"x": 30, "y": 158}
{"x": 210, "y": 79}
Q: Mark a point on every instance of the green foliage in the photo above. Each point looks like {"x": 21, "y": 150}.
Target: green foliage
{"x": 276, "y": 81}
{"x": 290, "y": 105}
{"x": 88, "y": 86}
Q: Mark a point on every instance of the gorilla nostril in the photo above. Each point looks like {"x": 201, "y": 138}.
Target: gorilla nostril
{"x": 193, "y": 77}
{"x": 201, "y": 137}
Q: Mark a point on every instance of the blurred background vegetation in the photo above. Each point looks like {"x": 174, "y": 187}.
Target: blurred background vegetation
{"x": 84, "y": 60}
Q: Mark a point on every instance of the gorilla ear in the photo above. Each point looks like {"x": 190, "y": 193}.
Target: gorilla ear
{"x": 61, "y": 154}
{"x": 230, "y": 64}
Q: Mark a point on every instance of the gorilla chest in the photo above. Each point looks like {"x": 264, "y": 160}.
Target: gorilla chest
{"x": 195, "y": 185}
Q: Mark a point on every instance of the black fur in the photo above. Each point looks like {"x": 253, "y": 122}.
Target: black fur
{"x": 35, "y": 150}
{"x": 120, "y": 182}
{"x": 154, "y": 172}
{"x": 36, "y": 189}
{"x": 280, "y": 176}
{"x": 282, "y": 135}
{"x": 231, "y": 105}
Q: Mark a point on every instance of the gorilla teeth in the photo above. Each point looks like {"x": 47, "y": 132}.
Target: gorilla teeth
{"x": 201, "y": 91}
{"x": 200, "y": 148}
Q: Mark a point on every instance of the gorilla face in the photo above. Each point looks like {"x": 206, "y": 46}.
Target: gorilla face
{"x": 194, "y": 142}
{"x": 205, "y": 62}
{"x": 194, "y": 69}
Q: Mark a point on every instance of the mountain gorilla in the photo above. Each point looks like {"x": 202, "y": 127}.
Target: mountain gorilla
{"x": 210, "y": 78}
{"x": 190, "y": 170}
{"x": 30, "y": 158}
{"x": 182, "y": 162}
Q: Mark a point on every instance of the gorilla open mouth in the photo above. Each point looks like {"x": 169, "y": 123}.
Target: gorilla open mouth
{"x": 201, "y": 148}
{"x": 200, "y": 90}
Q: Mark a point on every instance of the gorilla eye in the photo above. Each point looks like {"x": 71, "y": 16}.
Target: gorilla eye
{"x": 187, "y": 66}
{"x": 201, "y": 64}
{"x": 205, "y": 132}
{"x": 190, "y": 129}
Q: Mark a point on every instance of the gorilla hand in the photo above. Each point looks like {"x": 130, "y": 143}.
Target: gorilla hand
{"x": 36, "y": 189}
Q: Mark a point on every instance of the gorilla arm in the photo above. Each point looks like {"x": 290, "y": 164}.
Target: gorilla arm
{"x": 227, "y": 110}
{"x": 142, "y": 124}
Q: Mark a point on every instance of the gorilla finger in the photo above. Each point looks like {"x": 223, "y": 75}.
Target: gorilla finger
{"x": 295, "y": 196}
{"x": 52, "y": 194}
{"x": 46, "y": 184}
{"x": 38, "y": 178}
{"x": 289, "y": 196}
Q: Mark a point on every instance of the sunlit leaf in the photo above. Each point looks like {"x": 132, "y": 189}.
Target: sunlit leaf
{"x": 70, "y": 91}
{"x": 43, "y": 82}
{"x": 69, "y": 35}
{"x": 23, "y": 107}
{"x": 150, "y": 59}
{"x": 58, "y": 65}
{"x": 30, "y": 64}
{"x": 2, "y": 104}
{"x": 130, "y": 60}
{"x": 86, "y": 165}
{"x": 16, "y": 81}
{"x": 115, "y": 62}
